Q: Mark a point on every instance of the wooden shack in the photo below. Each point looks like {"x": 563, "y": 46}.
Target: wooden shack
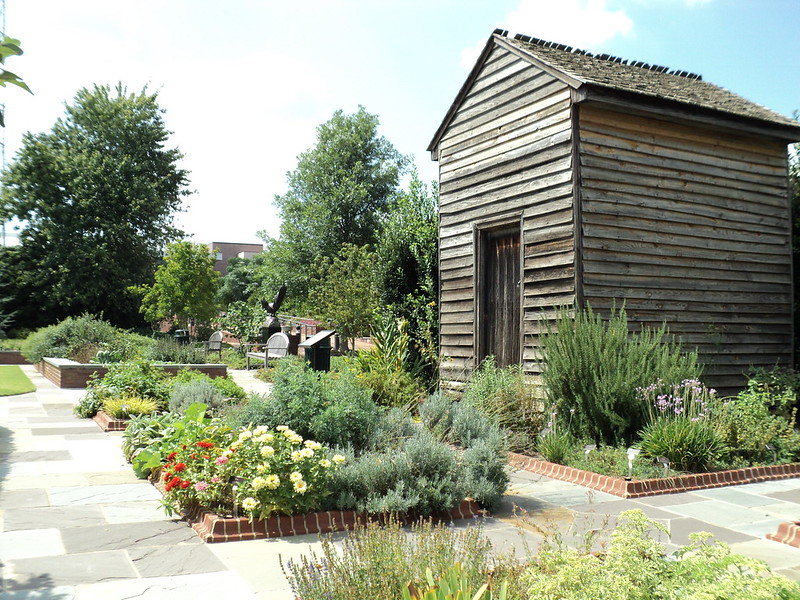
{"x": 572, "y": 178}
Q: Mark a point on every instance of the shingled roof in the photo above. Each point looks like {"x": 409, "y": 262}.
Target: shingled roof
{"x": 610, "y": 76}
{"x": 640, "y": 78}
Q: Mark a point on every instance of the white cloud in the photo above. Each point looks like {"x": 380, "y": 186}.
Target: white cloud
{"x": 581, "y": 23}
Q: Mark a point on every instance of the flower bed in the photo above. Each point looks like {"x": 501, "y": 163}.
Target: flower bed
{"x": 66, "y": 373}
{"x": 623, "y": 488}
{"x": 212, "y": 528}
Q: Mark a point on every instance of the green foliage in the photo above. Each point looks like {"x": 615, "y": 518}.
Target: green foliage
{"x": 123, "y": 380}
{"x": 556, "y": 446}
{"x": 169, "y": 350}
{"x": 186, "y": 393}
{"x": 345, "y": 296}
{"x": 10, "y": 47}
{"x": 389, "y": 369}
{"x": 504, "y": 395}
{"x": 124, "y": 347}
{"x": 747, "y": 424}
{"x": 407, "y": 268}
{"x": 689, "y": 445}
{"x": 226, "y": 386}
{"x": 77, "y": 338}
{"x": 122, "y": 407}
{"x": 376, "y": 561}
{"x": 453, "y": 584}
{"x": 96, "y": 196}
{"x": 331, "y": 408}
{"x": 185, "y": 286}
{"x": 781, "y": 388}
{"x": 244, "y": 321}
{"x": 146, "y": 431}
{"x": 596, "y": 366}
{"x": 634, "y": 567}
{"x": 89, "y": 405}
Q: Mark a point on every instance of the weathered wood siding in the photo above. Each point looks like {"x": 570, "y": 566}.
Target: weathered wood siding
{"x": 691, "y": 226}
{"x": 505, "y": 157}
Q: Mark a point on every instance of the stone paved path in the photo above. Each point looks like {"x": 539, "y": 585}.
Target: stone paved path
{"x": 75, "y": 523}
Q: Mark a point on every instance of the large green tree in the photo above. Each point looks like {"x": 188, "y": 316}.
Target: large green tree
{"x": 185, "y": 286}
{"x": 340, "y": 193}
{"x": 96, "y": 196}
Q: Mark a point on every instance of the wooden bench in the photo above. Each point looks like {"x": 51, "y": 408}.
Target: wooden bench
{"x": 214, "y": 344}
{"x": 277, "y": 346}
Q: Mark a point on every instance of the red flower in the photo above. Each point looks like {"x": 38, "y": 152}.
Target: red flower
{"x": 185, "y": 484}
{"x": 180, "y": 467}
{"x": 167, "y": 475}
{"x": 193, "y": 456}
{"x": 205, "y": 445}
{"x": 168, "y": 465}
{"x": 183, "y": 446}
{"x": 206, "y": 456}
{"x": 175, "y": 481}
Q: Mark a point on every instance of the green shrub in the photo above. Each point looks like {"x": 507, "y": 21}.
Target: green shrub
{"x": 595, "y": 367}
{"x": 168, "y": 350}
{"x": 436, "y": 413}
{"x": 689, "y": 445}
{"x": 226, "y": 386}
{"x": 747, "y": 424}
{"x": 454, "y": 583}
{"x": 378, "y": 562}
{"x": 504, "y": 395}
{"x": 634, "y": 566}
{"x": 186, "y": 393}
{"x": 76, "y": 338}
{"x": 556, "y": 446}
{"x": 124, "y": 407}
{"x": 89, "y": 405}
{"x": 137, "y": 378}
{"x": 782, "y": 385}
{"x": 147, "y": 431}
{"x": 123, "y": 348}
{"x": 331, "y": 408}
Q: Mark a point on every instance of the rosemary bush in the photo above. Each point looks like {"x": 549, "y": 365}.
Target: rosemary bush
{"x": 596, "y": 366}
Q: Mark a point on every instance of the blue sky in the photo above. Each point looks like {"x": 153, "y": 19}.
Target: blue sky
{"x": 246, "y": 82}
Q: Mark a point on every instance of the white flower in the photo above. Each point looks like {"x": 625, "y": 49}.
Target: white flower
{"x": 273, "y": 481}
{"x": 267, "y": 451}
{"x": 260, "y": 430}
{"x": 324, "y": 463}
{"x": 296, "y": 476}
{"x": 338, "y": 459}
{"x": 296, "y": 456}
{"x": 300, "y": 487}
{"x": 245, "y": 435}
{"x": 249, "y": 503}
{"x": 258, "y": 483}
{"x": 306, "y": 453}
{"x": 295, "y": 439}
{"x": 281, "y": 428}
{"x": 261, "y": 468}
{"x": 316, "y": 446}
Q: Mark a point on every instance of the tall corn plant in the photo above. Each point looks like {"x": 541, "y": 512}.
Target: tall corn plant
{"x": 595, "y": 367}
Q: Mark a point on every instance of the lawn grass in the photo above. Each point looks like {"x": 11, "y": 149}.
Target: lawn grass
{"x": 13, "y": 381}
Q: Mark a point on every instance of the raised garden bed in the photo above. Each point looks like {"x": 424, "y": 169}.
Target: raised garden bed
{"x": 12, "y": 357}
{"x": 66, "y": 373}
{"x": 109, "y": 423}
{"x": 212, "y": 528}
{"x": 618, "y": 486}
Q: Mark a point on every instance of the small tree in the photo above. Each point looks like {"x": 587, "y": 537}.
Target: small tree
{"x": 185, "y": 286}
{"x": 346, "y": 296}
{"x": 244, "y": 321}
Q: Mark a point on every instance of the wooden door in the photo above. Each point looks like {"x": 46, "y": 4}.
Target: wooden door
{"x": 499, "y": 301}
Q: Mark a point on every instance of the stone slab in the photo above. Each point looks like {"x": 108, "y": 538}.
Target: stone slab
{"x": 124, "y": 536}
{"x": 64, "y": 430}
{"x": 720, "y": 513}
{"x": 182, "y": 587}
{"x": 736, "y": 495}
{"x": 103, "y": 494}
{"x": 23, "y": 498}
{"x": 30, "y": 543}
{"x": 134, "y": 512}
{"x": 787, "y": 496}
{"x": 680, "y": 528}
{"x": 51, "y": 517}
{"x": 69, "y": 569}
{"x": 165, "y": 561}
{"x": 37, "y": 456}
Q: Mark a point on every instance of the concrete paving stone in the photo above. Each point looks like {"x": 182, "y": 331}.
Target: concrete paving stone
{"x": 720, "y": 513}
{"x": 98, "y": 434}
{"x": 37, "y": 455}
{"x": 30, "y": 543}
{"x": 680, "y": 528}
{"x": 205, "y": 586}
{"x": 64, "y": 592}
{"x": 615, "y": 507}
{"x": 165, "y": 561}
{"x": 102, "y": 494}
{"x": 28, "y": 410}
{"x": 787, "y": 496}
{"x": 767, "y": 487}
{"x": 69, "y": 569}
{"x": 775, "y": 554}
{"x": 574, "y": 497}
{"x": 42, "y": 481}
{"x": 52, "y": 516}
{"x": 123, "y": 536}
{"x": 511, "y": 504}
{"x": 670, "y": 499}
{"x": 134, "y": 512}
{"x": 70, "y": 430}
{"x": 787, "y": 510}
{"x": 759, "y": 529}
{"x": 26, "y": 498}
{"x": 793, "y": 574}
{"x": 113, "y": 477}
{"x": 735, "y": 495}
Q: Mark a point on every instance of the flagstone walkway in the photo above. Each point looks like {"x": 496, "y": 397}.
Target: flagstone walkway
{"x": 75, "y": 523}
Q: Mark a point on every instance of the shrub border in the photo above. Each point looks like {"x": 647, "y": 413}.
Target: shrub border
{"x": 623, "y": 488}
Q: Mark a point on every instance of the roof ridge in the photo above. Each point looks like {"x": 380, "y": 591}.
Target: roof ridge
{"x": 606, "y": 57}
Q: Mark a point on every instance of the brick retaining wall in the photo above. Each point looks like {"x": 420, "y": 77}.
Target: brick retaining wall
{"x": 67, "y": 373}
{"x": 12, "y": 357}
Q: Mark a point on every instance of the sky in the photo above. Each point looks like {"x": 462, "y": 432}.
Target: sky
{"x": 245, "y": 83}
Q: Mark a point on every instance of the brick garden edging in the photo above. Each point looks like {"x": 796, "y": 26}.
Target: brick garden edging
{"x": 788, "y": 533}
{"x": 109, "y": 423}
{"x": 618, "y": 486}
{"x": 212, "y": 528}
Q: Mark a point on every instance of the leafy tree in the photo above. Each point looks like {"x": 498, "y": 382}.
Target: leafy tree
{"x": 244, "y": 321}
{"x": 346, "y": 296}
{"x": 185, "y": 287}
{"x": 340, "y": 193}
{"x": 10, "y": 47}
{"x": 97, "y": 196}
{"x": 406, "y": 266}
